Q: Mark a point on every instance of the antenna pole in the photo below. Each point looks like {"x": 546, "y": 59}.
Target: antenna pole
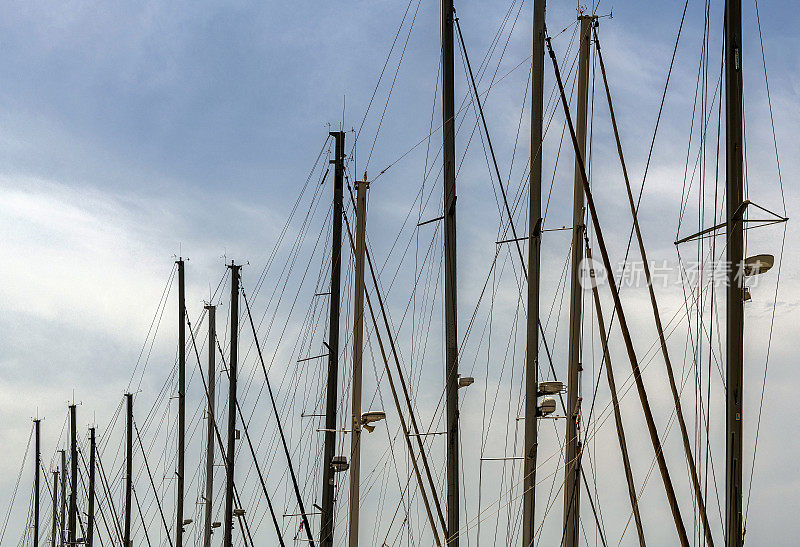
{"x": 209, "y": 497}
{"x": 734, "y": 534}
{"x": 181, "y": 401}
{"x": 90, "y": 517}
{"x": 450, "y": 300}
{"x": 358, "y": 349}
{"x": 326, "y": 530}
{"x": 128, "y": 469}
{"x": 573, "y": 445}
{"x": 232, "y": 366}
{"x": 37, "y": 460}
{"x": 63, "y": 516}
{"x": 73, "y": 476}
{"x": 534, "y": 253}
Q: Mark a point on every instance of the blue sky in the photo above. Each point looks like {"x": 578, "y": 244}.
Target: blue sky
{"x": 134, "y": 131}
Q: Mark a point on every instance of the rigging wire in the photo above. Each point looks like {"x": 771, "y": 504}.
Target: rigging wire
{"x": 505, "y": 200}
{"x": 391, "y": 88}
{"x": 280, "y": 428}
{"x": 780, "y": 264}
{"x": 380, "y": 76}
{"x": 16, "y": 486}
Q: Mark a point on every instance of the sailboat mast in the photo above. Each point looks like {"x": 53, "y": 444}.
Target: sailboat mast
{"x": 181, "y": 401}
{"x": 63, "y": 516}
{"x": 209, "y": 497}
{"x": 623, "y": 323}
{"x": 358, "y": 350}
{"x": 128, "y": 468}
{"x": 735, "y": 301}
{"x": 36, "y": 426}
{"x": 90, "y": 516}
{"x": 54, "y": 531}
{"x": 73, "y": 476}
{"x": 687, "y": 449}
{"x": 326, "y": 531}
{"x": 232, "y": 370}
{"x": 534, "y": 253}
{"x": 573, "y": 446}
{"x": 612, "y": 387}
{"x": 450, "y": 301}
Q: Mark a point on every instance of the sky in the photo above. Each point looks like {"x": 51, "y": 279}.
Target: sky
{"x": 135, "y": 132}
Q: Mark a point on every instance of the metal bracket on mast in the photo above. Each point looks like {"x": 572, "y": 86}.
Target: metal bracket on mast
{"x": 737, "y": 216}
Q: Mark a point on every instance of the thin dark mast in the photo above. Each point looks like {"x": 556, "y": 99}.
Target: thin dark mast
{"x": 690, "y": 461}
{"x": 534, "y": 253}
{"x": 90, "y": 517}
{"x": 181, "y": 401}
{"x": 63, "y": 516}
{"x": 215, "y": 430}
{"x": 573, "y": 445}
{"x": 37, "y": 461}
{"x": 405, "y": 429}
{"x": 735, "y": 301}
{"x": 623, "y": 323}
{"x": 687, "y": 449}
{"x": 128, "y": 469}
{"x": 209, "y": 497}
{"x": 612, "y": 387}
{"x": 141, "y": 517}
{"x": 450, "y": 300}
{"x": 358, "y": 350}
{"x": 232, "y": 366}
{"x": 73, "y": 476}
{"x": 292, "y": 474}
{"x": 106, "y": 491}
{"x": 54, "y": 531}
{"x": 152, "y": 483}
{"x": 326, "y": 530}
